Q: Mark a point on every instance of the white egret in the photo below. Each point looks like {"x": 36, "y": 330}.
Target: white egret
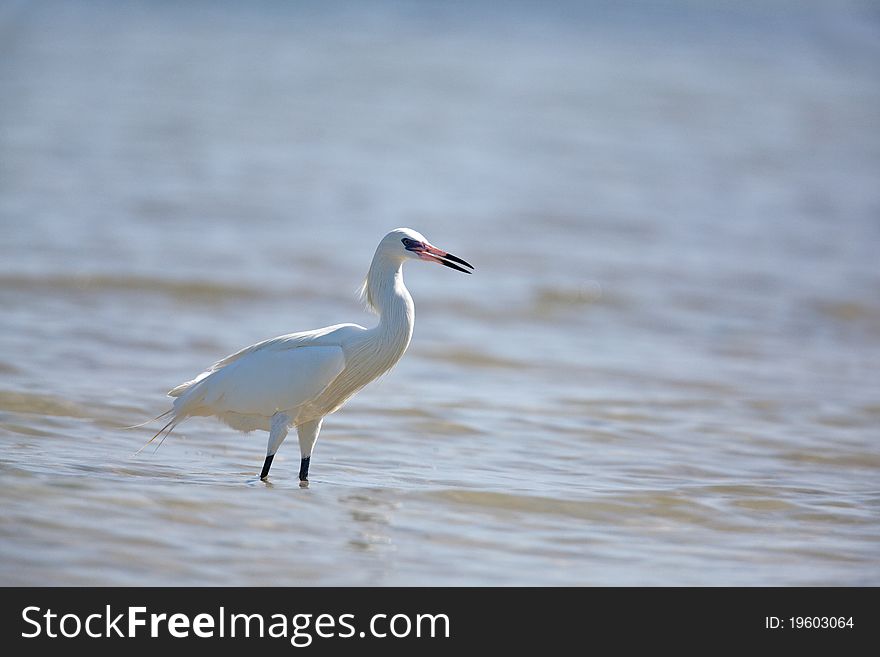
{"x": 296, "y": 380}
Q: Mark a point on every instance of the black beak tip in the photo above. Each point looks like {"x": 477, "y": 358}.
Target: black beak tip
{"x": 449, "y": 259}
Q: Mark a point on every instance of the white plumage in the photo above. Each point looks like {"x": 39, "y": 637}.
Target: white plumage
{"x": 295, "y": 380}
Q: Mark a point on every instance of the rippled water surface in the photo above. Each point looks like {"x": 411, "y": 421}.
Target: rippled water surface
{"x": 664, "y": 370}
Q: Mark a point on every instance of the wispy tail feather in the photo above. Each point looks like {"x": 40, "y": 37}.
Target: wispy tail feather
{"x": 158, "y": 417}
{"x": 167, "y": 429}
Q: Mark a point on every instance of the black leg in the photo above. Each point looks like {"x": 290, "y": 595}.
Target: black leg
{"x": 266, "y": 466}
{"x": 304, "y": 468}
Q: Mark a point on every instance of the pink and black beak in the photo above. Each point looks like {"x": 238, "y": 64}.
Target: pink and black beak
{"x": 431, "y": 253}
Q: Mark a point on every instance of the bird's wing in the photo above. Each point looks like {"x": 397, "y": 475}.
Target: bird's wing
{"x": 270, "y": 380}
{"x": 280, "y": 374}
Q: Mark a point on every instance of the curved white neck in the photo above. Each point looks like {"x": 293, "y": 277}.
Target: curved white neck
{"x": 392, "y": 301}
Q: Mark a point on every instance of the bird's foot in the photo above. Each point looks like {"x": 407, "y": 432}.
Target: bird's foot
{"x": 266, "y": 466}
{"x": 304, "y": 468}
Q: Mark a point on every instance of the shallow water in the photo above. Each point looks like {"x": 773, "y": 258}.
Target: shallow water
{"x": 664, "y": 370}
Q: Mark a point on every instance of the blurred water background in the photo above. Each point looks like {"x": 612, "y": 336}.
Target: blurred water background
{"x": 665, "y": 370}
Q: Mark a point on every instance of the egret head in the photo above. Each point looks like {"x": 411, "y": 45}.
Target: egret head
{"x": 406, "y": 243}
{"x": 398, "y": 246}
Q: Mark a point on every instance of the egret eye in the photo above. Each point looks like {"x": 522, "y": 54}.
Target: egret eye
{"x": 410, "y": 244}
